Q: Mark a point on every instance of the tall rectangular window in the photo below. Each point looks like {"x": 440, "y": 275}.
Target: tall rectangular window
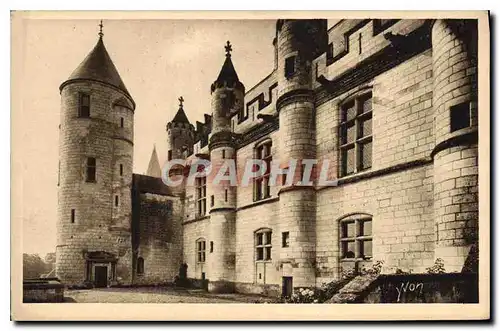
{"x": 356, "y": 135}
{"x": 263, "y": 245}
{"x": 169, "y": 155}
{"x": 201, "y": 196}
{"x": 285, "y": 239}
{"x": 73, "y": 216}
{"x": 261, "y": 183}
{"x": 84, "y": 105}
{"x": 91, "y": 169}
{"x": 117, "y": 200}
{"x": 200, "y": 251}
{"x": 121, "y": 169}
{"x": 121, "y": 122}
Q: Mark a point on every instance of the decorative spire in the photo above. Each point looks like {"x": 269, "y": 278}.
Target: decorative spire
{"x": 100, "y": 30}
{"x": 181, "y": 102}
{"x": 228, "y": 48}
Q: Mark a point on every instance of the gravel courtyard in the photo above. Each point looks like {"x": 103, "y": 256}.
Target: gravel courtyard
{"x": 157, "y": 295}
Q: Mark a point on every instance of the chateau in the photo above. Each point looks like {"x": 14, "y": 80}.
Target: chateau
{"x": 390, "y": 104}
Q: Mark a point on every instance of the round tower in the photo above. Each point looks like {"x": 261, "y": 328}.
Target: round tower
{"x": 454, "y": 46}
{"x": 180, "y": 135}
{"x": 96, "y": 153}
{"x": 227, "y": 98}
{"x": 298, "y": 43}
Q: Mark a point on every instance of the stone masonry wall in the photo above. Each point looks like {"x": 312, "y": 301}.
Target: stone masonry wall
{"x": 160, "y": 238}
{"x": 456, "y": 175}
{"x": 98, "y": 225}
{"x": 401, "y": 202}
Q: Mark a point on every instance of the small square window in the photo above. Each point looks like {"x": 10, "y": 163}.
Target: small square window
{"x": 285, "y": 239}
{"x": 459, "y": 116}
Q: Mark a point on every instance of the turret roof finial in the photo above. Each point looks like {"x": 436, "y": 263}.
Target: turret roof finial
{"x": 181, "y": 101}
{"x": 228, "y": 48}
{"x": 100, "y": 30}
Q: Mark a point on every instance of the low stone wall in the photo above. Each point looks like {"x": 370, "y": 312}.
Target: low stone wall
{"x": 410, "y": 288}
{"x": 43, "y": 290}
{"x": 269, "y": 290}
{"x": 426, "y": 288}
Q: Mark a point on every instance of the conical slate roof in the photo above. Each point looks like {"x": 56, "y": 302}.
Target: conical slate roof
{"x": 180, "y": 117}
{"x": 228, "y": 73}
{"x": 154, "y": 169}
{"x": 98, "y": 66}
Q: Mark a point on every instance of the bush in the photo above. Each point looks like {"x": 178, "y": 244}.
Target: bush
{"x": 302, "y": 296}
{"x": 437, "y": 268}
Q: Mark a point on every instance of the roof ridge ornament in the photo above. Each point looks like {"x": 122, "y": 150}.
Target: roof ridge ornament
{"x": 228, "y": 48}
{"x": 181, "y": 102}
{"x": 100, "y": 30}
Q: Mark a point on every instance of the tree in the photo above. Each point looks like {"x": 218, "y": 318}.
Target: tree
{"x": 33, "y": 266}
{"x": 50, "y": 258}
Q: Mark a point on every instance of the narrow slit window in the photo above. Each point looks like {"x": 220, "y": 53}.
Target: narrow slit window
{"x": 84, "y": 105}
{"x": 121, "y": 122}
{"x": 121, "y": 169}
{"x": 73, "y": 216}
{"x": 285, "y": 239}
{"x": 289, "y": 66}
{"x": 91, "y": 169}
{"x": 117, "y": 200}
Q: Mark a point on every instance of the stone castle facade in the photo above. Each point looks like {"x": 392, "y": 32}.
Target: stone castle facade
{"x": 391, "y": 104}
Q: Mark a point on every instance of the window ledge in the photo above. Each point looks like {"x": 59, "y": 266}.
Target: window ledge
{"x": 258, "y": 202}
{"x": 356, "y": 260}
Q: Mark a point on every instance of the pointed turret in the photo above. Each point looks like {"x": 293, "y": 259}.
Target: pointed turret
{"x": 181, "y": 116}
{"x": 180, "y": 133}
{"x": 154, "y": 169}
{"x": 98, "y": 66}
{"x": 227, "y": 76}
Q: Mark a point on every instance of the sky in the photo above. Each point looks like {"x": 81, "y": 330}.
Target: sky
{"x": 158, "y": 60}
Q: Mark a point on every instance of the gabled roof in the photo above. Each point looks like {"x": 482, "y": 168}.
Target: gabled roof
{"x": 98, "y": 66}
